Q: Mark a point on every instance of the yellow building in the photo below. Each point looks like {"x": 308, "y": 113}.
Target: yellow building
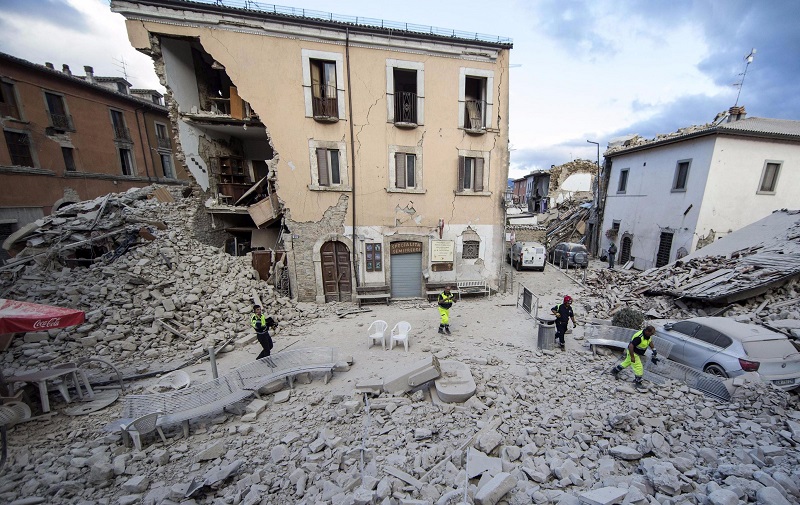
{"x": 379, "y": 149}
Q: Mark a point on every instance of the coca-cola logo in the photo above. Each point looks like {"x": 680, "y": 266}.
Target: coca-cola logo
{"x": 53, "y": 322}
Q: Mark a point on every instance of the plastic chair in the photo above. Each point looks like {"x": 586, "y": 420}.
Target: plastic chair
{"x": 400, "y": 334}
{"x": 141, "y": 426}
{"x": 377, "y": 331}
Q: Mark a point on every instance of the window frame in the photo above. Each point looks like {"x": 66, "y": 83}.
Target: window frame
{"x": 767, "y": 163}
{"x": 488, "y": 75}
{"x": 471, "y": 243}
{"x": 419, "y": 68}
{"x": 622, "y": 185}
{"x": 373, "y": 257}
{"x": 463, "y": 155}
{"x": 70, "y": 124}
{"x": 10, "y": 93}
{"x": 31, "y": 150}
{"x": 71, "y": 151}
{"x": 168, "y": 156}
{"x": 309, "y": 54}
{"x": 131, "y": 159}
{"x": 416, "y": 151}
{"x": 344, "y": 176}
{"x": 676, "y": 177}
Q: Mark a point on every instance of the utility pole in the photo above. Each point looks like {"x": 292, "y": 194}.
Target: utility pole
{"x": 597, "y": 224}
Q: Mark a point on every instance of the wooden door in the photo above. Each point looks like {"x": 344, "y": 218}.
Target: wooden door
{"x": 336, "y": 272}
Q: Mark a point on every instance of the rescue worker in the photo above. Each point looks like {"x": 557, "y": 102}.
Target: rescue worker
{"x": 563, "y": 313}
{"x": 262, "y": 324}
{"x": 446, "y": 300}
{"x": 634, "y": 355}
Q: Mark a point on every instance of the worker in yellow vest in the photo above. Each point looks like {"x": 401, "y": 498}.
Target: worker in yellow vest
{"x": 635, "y": 355}
{"x": 446, "y": 300}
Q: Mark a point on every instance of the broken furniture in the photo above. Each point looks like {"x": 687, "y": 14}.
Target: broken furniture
{"x": 177, "y": 379}
{"x": 473, "y": 287}
{"x": 40, "y": 377}
{"x": 400, "y": 334}
{"x": 413, "y": 376}
{"x": 372, "y": 293}
{"x": 377, "y": 331}
{"x": 141, "y": 426}
{"x": 456, "y": 384}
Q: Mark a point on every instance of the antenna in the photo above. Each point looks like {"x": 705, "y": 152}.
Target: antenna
{"x": 122, "y": 66}
{"x": 749, "y": 60}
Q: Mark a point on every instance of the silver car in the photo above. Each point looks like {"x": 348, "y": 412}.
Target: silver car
{"x": 569, "y": 254}
{"x": 723, "y": 347}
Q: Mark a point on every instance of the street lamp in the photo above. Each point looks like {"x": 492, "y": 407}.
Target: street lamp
{"x": 598, "y": 152}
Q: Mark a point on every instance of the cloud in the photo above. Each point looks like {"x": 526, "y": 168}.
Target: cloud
{"x": 55, "y": 12}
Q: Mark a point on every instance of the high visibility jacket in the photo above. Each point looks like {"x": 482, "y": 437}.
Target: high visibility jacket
{"x": 640, "y": 342}
{"x": 256, "y": 320}
{"x": 563, "y": 315}
{"x": 446, "y": 300}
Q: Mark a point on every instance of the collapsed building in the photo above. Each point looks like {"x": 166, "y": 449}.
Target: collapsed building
{"x": 356, "y": 176}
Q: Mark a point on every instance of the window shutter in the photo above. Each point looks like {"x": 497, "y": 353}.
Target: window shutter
{"x": 400, "y": 170}
{"x": 460, "y": 174}
{"x": 322, "y": 166}
{"x": 478, "y": 174}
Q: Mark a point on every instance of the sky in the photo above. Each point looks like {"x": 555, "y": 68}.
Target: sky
{"x": 581, "y": 70}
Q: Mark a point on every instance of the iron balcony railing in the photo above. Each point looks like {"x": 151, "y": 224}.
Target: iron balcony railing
{"x": 405, "y": 107}
{"x": 61, "y": 121}
{"x": 474, "y": 114}
{"x": 324, "y": 102}
{"x": 122, "y": 133}
{"x": 164, "y": 142}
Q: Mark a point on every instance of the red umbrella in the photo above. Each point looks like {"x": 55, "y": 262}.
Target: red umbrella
{"x": 18, "y": 317}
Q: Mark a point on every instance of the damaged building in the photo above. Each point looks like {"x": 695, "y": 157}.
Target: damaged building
{"x": 668, "y": 196}
{"x": 326, "y": 138}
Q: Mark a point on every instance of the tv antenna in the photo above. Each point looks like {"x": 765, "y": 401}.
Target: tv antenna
{"x": 749, "y": 60}
{"x": 120, "y": 64}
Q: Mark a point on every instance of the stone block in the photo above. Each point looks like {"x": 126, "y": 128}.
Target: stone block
{"x": 213, "y": 452}
{"x": 412, "y": 376}
{"x": 282, "y": 396}
{"x": 88, "y": 341}
{"x": 36, "y": 336}
{"x": 256, "y": 406}
{"x": 456, "y": 384}
{"x": 495, "y": 489}
{"x": 373, "y": 386}
{"x": 478, "y": 463}
{"x": 603, "y": 496}
{"x": 137, "y": 484}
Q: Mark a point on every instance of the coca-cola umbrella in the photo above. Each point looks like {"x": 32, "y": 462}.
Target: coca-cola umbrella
{"x": 20, "y": 317}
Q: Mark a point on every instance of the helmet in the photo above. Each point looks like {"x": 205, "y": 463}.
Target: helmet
{"x": 567, "y": 299}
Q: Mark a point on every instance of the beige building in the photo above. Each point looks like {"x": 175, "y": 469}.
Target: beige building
{"x": 383, "y": 149}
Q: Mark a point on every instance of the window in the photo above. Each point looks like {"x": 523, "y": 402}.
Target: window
{"x": 769, "y": 177}
{"x": 623, "y": 181}
{"x": 328, "y": 166}
{"x": 121, "y": 132}
{"x": 166, "y": 166}
{"x": 323, "y": 89}
{"x": 59, "y": 119}
{"x": 161, "y": 130}
{"x": 685, "y": 327}
{"x": 19, "y": 147}
{"x": 8, "y": 101}
{"x": 69, "y": 159}
{"x": 664, "y": 249}
{"x": 405, "y": 170}
{"x": 472, "y": 176}
{"x": 475, "y": 99}
{"x": 470, "y": 249}
{"x": 405, "y": 81}
{"x": 373, "y": 257}
{"x": 162, "y": 137}
{"x": 126, "y": 161}
{"x": 681, "y": 175}
{"x": 122, "y": 88}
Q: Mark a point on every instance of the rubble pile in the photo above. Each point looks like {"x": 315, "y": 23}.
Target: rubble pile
{"x": 570, "y": 225}
{"x": 160, "y": 296}
{"x": 536, "y": 438}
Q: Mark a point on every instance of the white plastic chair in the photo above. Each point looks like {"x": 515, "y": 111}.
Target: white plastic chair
{"x": 377, "y": 331}
{"x": 141, "y": 426}
{"x": 400, "y": 334}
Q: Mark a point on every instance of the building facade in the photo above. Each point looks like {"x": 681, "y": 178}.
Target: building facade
{"x": 384, "y": 150}
{"x": 670, "y": 196}
{"x": 68, "y": 138}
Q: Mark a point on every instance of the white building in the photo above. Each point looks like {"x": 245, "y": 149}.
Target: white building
{"x": 669, "y": 196}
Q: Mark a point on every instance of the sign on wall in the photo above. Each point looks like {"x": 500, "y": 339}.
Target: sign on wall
{"x": 442, "y": 250}
{"x": 405, "y": 247}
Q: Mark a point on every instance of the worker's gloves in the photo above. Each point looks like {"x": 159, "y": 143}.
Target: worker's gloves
{"x": 655, "y": 357}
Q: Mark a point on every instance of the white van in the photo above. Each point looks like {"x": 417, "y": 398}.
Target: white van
{"x": 527, "y": 255}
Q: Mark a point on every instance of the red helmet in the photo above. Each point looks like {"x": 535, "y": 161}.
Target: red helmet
{"x": 567, "y": 299}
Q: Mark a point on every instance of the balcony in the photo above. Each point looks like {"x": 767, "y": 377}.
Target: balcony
{"x": 324, "y": 103}
{"x": 122, "y": 133}
{"x": 164, "y": 142}
{"x": 475, "y": 116}
{"x": 61, "y": 121}
{"x": 405, "y": 109}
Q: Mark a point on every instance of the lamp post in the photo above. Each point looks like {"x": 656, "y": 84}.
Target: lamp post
{"x": 597, "y": 201}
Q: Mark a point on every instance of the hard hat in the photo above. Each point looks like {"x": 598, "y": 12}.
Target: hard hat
{"x": 567, "y": 299}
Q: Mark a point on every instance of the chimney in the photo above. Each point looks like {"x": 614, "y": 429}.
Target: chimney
{"x": 89, "y": 73}
{"x": 49, "y": 65}
{"x": 65, "y": 69}
{"x": 736, "y": 114}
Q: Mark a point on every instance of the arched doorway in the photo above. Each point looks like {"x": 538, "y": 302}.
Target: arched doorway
{"x": 336, "y": 274}
{"x": 625, "y": 250}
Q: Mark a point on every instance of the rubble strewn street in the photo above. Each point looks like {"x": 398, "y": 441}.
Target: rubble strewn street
{"x": 542, "y": 427}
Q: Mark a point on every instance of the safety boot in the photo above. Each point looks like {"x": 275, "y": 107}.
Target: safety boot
{"x": 615, "y": 371}
{"x": 637, "y": 383}
{"x": 447, "y": 329}
{"x": 441, "y": 329}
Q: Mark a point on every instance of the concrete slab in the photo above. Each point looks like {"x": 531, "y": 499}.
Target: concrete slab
{"x": 456, "y": 384}
{"x": 479, "y": 463}
{"x": 603, "y": 496}
{"x": 413, "y": 376}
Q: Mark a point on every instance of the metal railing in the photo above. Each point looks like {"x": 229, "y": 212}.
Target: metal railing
{"x": 164, "y": 142}
{"x": 474, "y": 114}
{"x": 122, "y": 133}
{"x": 324, "y": 102}
{"x": 356, "y": 20}
{"x": 61, "y": 121}
{"x": 405, "y": 107}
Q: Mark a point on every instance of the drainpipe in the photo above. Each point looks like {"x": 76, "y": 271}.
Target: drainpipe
{"x": 142, "y": 139}
{"x": 352, "y": 147}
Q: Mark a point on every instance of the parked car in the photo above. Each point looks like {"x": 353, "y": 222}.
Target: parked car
{"x": 726, "y": 348}
{"x": 527, "y": 255}
{"x": 569, "y": 254}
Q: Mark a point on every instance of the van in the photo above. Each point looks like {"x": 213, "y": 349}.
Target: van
{"x": 527, "y": 255}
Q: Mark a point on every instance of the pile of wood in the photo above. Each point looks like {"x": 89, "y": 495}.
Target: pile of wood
{"x": 570, "y": 225}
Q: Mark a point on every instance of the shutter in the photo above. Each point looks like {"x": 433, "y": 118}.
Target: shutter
{"x": 400, "y": 170}
{"x": 322, "y": 166}
{"x": 478, "y": 186}
{"x": 460, "y": 174}
{"x": 316, "y": 80}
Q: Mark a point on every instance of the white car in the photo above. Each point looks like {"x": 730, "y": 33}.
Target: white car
{"x": 723, "y": 347}
{"x": 527, "y": 255}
